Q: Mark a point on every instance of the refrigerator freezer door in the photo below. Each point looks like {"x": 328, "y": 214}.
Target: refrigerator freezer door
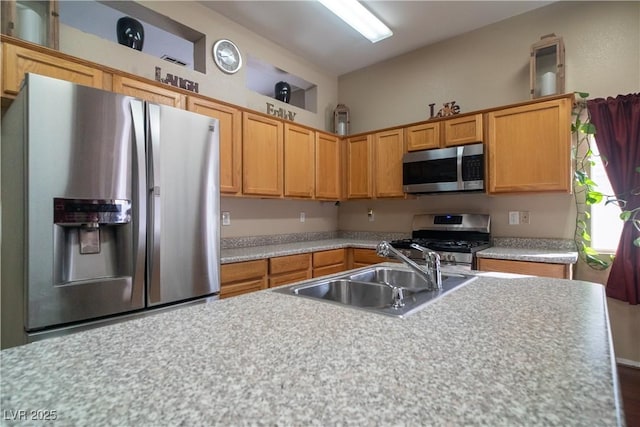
{"x": 183, "y": 178}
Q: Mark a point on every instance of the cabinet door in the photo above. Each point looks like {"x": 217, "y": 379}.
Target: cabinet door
{"x": 423, "y": 137}
{"x": 299, "y": 149}
{"x": 16, "y": 61}
{"x": 328, "y": 171}
{"x": 230, "y": 141}
{"x": 388, "y": 151}
{"x": 559, "y": 271}
{"x": 262, "y": 157}
{"x": 359, "y": 165}
{"x": 463, "y": 130}
{"x": 529, "y": 148}
{"x": 148, "y": 92}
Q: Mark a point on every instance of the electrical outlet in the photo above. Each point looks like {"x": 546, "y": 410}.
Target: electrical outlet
{"x": 226, "y": 218}
{"x": 370, "y": 215}
{"x": 524, "y": 217}
{"x": 303, "y": 216}
{"x": 514, "y": 217}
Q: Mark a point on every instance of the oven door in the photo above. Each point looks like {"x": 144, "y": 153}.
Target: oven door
{"x": 444, "y": 169}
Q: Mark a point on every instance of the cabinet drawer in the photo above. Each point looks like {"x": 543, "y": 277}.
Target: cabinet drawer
{"x": 366, "y": 256}
{"x": 239, "y": 288}
{"x": 238, "y": 271}
{"x": 559, "y": 271}
{"x": 331, "y": 269}
{"x": 285, "y": 264}
{"x": 326, "y": 258}
{"x": 287, "y": 278}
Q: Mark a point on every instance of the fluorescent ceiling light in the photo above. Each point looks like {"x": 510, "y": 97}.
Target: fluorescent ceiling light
{"x": 360, "y": 19}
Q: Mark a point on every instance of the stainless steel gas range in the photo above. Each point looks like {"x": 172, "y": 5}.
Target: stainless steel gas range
{"x": 455, "y": 237}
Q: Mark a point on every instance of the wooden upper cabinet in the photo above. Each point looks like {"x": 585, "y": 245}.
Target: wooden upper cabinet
{"x": 148, "y": 92}
{"x": 444, "y": 133}
{"x": 16, "y": 61}
{"x": 359, "y": 166}
{"x": 529, "y": 148}
{"x": 230, "y": 141}
{"x": 299, "y": 149}
{"x": 423, "y": 136}
{"x": 262, "y": 155}
{"x": 328, "y": 167}
{"x": 388, "y": 149}
{"x": 462, "y": 130}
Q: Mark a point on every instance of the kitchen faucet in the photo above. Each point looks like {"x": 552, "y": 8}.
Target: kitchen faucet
{"x": 432, "y": 275}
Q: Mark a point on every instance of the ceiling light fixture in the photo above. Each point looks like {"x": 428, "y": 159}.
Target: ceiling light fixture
{"x": 359, "y": 18}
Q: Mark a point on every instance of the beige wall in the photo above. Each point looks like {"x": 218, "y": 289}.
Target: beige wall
{"x": 259, "y": 217}
{"x": 216, "y": 84}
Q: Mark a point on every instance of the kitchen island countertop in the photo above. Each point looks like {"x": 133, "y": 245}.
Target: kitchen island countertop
{"x": 517, "y": 351}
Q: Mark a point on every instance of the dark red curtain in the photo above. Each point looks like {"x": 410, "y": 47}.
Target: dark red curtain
{"x": 617, "y": 122}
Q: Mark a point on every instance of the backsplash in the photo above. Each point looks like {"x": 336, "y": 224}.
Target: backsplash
{"x": 279, "y": 239}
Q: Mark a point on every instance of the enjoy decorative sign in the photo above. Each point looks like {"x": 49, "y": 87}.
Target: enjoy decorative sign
{"x": 177, "y": 81}
{"x": 280, "y": 112}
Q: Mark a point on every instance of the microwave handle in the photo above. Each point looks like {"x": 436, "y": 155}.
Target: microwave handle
{"x": 460, "y": 152}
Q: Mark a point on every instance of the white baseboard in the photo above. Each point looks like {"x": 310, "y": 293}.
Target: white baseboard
{"x": 627, "y": 362}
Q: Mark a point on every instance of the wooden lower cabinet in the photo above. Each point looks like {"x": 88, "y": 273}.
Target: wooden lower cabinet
{"x": 329, "y": 262}
{"x": 364, "y": 257}
{"x": 558, "y": 271}
{"x": 242, "y": 277}
{"x": 289, "y": 269}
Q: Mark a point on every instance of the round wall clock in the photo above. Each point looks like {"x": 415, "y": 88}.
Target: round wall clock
{"x": 227, "y": 56}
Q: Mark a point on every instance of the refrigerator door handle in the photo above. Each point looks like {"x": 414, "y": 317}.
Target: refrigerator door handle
{"x": 153, "y": 148}
{"x": 140, "y": 179}
{"x": 212, "y": 208}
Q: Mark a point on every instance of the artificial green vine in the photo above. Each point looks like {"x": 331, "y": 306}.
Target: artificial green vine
{"x": 586, "y": 193}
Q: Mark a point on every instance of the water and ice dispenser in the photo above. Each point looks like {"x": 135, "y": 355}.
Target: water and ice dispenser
{"x": 91, "y": 239}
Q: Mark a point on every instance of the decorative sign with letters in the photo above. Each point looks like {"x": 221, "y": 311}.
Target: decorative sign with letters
{"x": 280, "y": 112}
{"x": 448, "y": 109}
{"x": 177, "y": 81}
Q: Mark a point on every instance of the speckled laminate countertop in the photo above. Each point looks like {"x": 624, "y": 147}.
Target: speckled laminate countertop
{"x": 499, "y": 352}
{"x": 554, "y": 251}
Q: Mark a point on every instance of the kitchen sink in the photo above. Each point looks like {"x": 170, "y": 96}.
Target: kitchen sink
{"x": 364, "y": 289}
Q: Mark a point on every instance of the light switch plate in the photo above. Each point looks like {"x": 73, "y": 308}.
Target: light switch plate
{"x": 226, "y": 218}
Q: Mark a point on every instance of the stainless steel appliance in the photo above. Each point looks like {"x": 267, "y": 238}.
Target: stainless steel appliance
{"x": 455, "y": 237}
{"x": 444, "y": 169}
{"x": 110, "y": 205}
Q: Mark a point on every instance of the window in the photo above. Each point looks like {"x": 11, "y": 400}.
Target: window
{"x": 606, "y": 224}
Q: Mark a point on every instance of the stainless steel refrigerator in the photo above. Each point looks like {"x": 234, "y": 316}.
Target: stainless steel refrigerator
{"x": 110, "y": 205}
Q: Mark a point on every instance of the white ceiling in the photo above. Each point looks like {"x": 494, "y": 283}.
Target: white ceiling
{"x": 311, "y": 31}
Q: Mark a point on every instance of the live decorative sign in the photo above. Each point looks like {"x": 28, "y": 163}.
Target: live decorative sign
{"x": 280, "y": 112}
{"x": 448, "y": 109}
{"x": 177, "y": 81}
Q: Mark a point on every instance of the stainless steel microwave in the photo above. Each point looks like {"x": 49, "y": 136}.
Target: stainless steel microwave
{"x": 444, "y": 169}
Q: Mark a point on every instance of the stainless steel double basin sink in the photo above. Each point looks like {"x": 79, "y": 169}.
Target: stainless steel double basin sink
{"x": 368, "y": 289}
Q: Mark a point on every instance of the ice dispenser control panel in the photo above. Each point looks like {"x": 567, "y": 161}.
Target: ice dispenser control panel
{"x": 76, "y": 212}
